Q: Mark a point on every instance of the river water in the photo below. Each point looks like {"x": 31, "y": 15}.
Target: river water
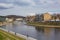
{"x": 39, "y": 33}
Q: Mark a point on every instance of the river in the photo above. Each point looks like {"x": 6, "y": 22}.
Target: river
{"x": 39, "y": 33}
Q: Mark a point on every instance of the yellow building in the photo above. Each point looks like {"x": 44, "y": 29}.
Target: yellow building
{"x": 47, "y": 16}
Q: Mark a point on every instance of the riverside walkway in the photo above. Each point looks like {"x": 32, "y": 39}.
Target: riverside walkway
{"x": 7, "y": 36}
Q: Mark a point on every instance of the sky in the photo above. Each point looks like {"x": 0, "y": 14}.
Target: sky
{"x": 27, "y": 7}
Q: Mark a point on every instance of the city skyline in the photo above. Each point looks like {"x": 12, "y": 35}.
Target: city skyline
{"x": 26, "y": 7}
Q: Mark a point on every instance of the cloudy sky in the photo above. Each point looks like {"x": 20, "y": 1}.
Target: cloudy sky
{"x": 26, "y": 7}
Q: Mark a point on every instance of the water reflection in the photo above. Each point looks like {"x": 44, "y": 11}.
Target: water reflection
{"x": 57, "y": 33}
{"x": 49, "y": 33}
{"x": 39, "y": 29}
{"x": 39, "y": 33}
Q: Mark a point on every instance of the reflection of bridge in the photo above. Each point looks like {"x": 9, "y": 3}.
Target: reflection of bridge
{"x": 19, "y": 22}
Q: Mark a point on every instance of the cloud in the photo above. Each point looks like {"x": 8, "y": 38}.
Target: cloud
{"x": 45, "y": 2}
{"x": 30, "y": 2}
{"x": 25, "y": 2}
{"x": 5, "y": 6}
{"x": 7, "y": 1}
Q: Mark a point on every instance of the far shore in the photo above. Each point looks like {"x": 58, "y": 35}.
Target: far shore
{"x": 42, "y": 25}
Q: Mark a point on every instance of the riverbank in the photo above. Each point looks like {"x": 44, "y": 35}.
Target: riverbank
{"x": 43, "y": 24}
{"x": 7, "y": 36}
{"x": 4, "y": 23}
{"x": 23, "y": 37}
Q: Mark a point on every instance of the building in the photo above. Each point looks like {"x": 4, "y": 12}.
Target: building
{"x": 55, "y": 17}
{"x": 43, "y": 17}
{"x": 38, "y": 17}
{"x": 47, "y": 16}
{"x": 30, "y": 18}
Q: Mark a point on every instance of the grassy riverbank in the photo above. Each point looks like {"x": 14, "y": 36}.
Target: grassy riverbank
{"x": 7, "y": 36}
{"x": 45, "y": 24}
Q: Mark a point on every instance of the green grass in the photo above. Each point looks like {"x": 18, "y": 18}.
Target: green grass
{"x": 7, "y": 36}
{"x": 1, "y": 37}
